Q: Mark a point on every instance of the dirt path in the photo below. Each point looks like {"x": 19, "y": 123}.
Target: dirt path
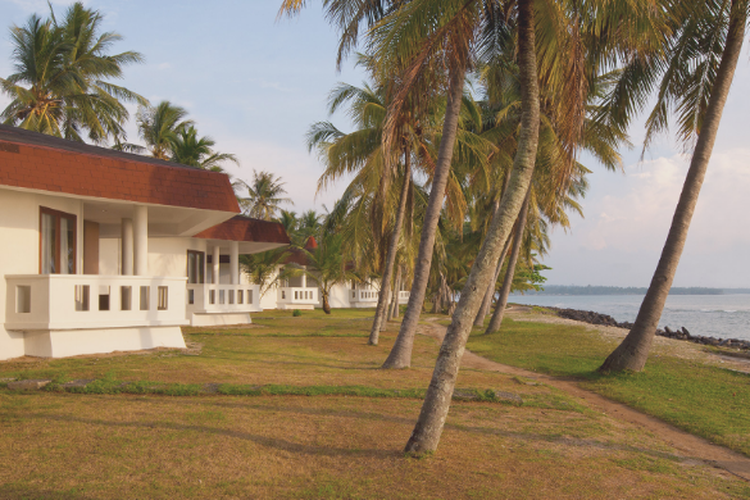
{"x": 688, "y": 445}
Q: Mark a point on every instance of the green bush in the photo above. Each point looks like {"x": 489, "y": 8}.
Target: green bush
{"x": 296, "y": 313}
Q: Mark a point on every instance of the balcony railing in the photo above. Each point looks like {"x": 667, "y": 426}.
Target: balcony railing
{"x": 364, "y": 296}
{"x": 403, "y": 296}
{"x": 298, "y": 295}
{"x": 210, "y": 298}
{"x": 81, "y": 301}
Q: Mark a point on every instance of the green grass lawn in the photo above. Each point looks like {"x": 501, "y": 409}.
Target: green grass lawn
{"x": 705, "y": 400}
{"x": 297, "y": 407}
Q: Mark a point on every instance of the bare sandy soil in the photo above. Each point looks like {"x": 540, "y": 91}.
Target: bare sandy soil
{"x": 691, "y": 447}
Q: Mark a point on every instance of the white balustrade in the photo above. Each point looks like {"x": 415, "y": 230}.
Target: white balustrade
{"x": 298, "y": 295}
{"x": 212, "y": 298}
{"x": 80, "y": 301}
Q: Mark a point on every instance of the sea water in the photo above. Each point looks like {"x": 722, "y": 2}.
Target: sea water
{"x": 721, "y": 316}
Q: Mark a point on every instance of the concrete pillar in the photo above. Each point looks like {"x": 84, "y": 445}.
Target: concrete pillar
{"x": 126, "y": 268}
{"x": 304, "y": 281}
{"x": 216, "y": 262}
{"x": 140, "y": 241}
{"x": 234, "y": 262}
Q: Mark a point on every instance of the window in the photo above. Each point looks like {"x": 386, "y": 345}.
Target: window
{"x": 196, "y": 265}
{"x": 57, "y": 242}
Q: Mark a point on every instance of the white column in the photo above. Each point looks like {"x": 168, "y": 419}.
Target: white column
{"x": 126, "y": 268}
{"x": 216, "y": 258}
{"x": 140, "y": 241}
{"x": 234, "y": 262}
{"x": 304, "y": 281}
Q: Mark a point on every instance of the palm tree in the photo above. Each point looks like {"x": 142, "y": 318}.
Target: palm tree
{"x": 59, "y": 86}
{"x": 327, "y": 265}
{"x": 361, "y": 152}
{"x": 264, "y": 195}
{"x": 189, "y": 149}
{"x": 428, "y": 429}
{"x": 159, "y": 127}
{"x": 561, "y": 66}
{"x": 697, "y": 72}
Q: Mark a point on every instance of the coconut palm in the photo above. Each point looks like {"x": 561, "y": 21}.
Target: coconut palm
{"x": 59, "y": 86}
{"x": 361, "y": 152}
{"x": 696, "y": 72}
{"x": 561, "y": 67}
{"x": 327, "y": 265}
{"x": 264, "y": 195}
{"x": 188, "y": 149}
{"x": 159, "y": 127}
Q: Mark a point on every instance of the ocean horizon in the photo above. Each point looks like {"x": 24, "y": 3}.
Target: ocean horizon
{"x": 725, "y": 316}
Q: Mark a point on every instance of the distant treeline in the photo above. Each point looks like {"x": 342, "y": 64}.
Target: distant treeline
{"x": 618, "y": 290}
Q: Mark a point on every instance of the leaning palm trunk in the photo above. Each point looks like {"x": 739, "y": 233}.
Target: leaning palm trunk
{"x": 426, "y": 434}
{"x": 378, "y": 324}
{"x": 502, "y": 301}
{"x": 632, "y": 353}
{"x": 400, "y": 355}
{"x": 484, "y": 309}
{"x": 393, "y": 309}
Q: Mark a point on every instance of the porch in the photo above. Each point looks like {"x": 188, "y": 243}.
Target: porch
{"x": 68, "y": 314}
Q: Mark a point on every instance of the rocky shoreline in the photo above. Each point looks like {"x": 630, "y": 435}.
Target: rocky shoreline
{"x": 595, "y": 318}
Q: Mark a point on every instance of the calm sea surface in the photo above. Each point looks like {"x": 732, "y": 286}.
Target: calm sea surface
{"x": 721, "y": 316}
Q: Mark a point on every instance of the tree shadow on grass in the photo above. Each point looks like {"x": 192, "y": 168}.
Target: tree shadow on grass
{"x": 265, "y": 441}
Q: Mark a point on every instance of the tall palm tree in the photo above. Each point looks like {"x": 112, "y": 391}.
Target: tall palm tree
{"x": 264, "y": 195}
{"x": 561, "y": 66}
{"x": 188, "y": 149}
{"x": 159, "y": 127}
{"x": 361, "y": 152}
{"x": 428, "y": 429}
{"x": 59, "y": 86}
{"x": 696, "y": 73}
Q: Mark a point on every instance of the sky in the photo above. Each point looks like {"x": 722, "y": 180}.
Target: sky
{"x": 255, "y": 84}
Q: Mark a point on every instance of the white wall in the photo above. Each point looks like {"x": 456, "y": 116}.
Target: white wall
{"x": 19, "y": 248}
{"x": 340, "y": 294}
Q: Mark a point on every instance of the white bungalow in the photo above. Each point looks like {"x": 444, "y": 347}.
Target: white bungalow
{"x": 302, "y": 291}
{"x": 105, "y": 251}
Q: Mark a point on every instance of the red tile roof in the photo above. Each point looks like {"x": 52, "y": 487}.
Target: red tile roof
{"x": 297, "y": 256}
{"x": 36, "y": 161}
{"x": 241, "y": 228}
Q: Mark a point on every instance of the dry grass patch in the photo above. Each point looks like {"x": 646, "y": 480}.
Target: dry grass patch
{"x": 331, "y": 447}
{"x": 83, "y": 446}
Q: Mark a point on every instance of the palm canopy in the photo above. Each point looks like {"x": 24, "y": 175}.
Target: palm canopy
{"x": 264, "y": 195}
{"x": 160, "y": 125}
{"x": 189, "y": 149}
{"x": 58, "y": 87}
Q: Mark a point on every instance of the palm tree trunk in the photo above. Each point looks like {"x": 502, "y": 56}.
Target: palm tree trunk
{"x": 393, "y": 309}
{"x": 429, "y": 427}
{"x": 378, "y": 324}
{"x": 326, "y": 304}
{"x": 502, "y": 301}
{"x": 487, "y": 302}
{"x": 632, "y": 353}
{"x": 400, "y": 355}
